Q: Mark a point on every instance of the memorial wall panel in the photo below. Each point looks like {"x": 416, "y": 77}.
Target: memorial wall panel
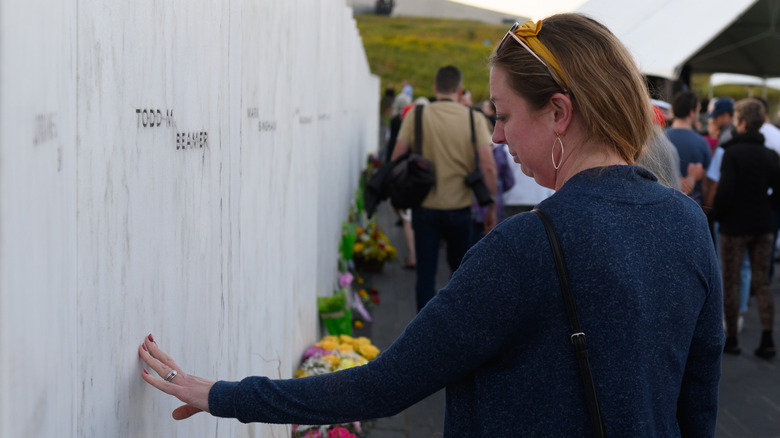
{"x": 38, "y": 309}
{"x": 179, "y": 168}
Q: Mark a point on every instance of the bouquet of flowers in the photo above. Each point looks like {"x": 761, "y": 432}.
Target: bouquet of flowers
{"x": 334, "y": 353}
{"x": 331, "y": 354}
{"x": 372, "y": 245}
{"x": 341, "y": 431}
{"x": 369, "y": 298}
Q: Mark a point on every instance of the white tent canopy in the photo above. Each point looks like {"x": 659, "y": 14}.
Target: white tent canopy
{"x": 733, "y": 36}
{"x": 735, "y": 79}
{"x": 717, "y": 79}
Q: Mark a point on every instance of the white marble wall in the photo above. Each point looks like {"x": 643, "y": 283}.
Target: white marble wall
{"x": 213, "y": 223}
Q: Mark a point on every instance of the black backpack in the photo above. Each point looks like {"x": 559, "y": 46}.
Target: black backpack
{"x": 412, "y": 175}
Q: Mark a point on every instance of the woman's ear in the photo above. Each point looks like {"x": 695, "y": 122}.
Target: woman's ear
{"x": 562, "y": 111}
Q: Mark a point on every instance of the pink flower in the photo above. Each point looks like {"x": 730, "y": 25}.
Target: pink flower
{"x": 340, "y": 432}
{"x": 345, "y": 279}
{"x": 314, "y": 351}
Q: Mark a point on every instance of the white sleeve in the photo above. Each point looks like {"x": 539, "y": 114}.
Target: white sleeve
{"x": 713, "y": 172}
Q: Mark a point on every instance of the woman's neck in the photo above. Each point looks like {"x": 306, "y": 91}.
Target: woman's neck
{"x": 587, "y": 155}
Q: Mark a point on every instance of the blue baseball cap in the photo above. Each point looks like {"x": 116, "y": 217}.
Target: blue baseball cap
{"x": 722, "y": 106}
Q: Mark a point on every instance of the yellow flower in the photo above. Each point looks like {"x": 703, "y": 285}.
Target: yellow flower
{"x": 346, "y": 348}
{"x": 358, "y": 324}
{"x": 328, "y": 345}
{"x": 360, "y": 280}
{"x": 368, "y": 351}
{"x": 346, "y": 363}
{"x": 362, "y": 293}
{"x": 361, "y": 341}
{"x": 345, "y": 339}
{"x": 358, "y": 248}
{"x": 332, "y": 360}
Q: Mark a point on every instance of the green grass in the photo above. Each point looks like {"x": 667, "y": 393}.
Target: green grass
{"x": 413, "y": 49}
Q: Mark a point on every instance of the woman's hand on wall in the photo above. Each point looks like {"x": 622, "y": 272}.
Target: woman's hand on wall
{"x": 192, "y": 390}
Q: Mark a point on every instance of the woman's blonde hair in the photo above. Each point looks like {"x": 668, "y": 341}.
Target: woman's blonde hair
{"x": 606, "y": 87}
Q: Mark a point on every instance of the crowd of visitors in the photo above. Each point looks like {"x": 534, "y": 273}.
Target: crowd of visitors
{"x": 736, "y": 185}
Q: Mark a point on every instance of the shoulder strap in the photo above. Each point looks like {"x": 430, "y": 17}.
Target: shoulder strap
{"x": 474, "y": 139}
{"x": 577, "y": 337}
{"x": 418, "y": 110}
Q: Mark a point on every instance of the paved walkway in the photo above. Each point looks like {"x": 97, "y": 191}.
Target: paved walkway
{"x": 749, "y": 388}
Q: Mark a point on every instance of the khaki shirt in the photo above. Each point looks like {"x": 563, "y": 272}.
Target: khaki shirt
{"x": 446, "y": 133}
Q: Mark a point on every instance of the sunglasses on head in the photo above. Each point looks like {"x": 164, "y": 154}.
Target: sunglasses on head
{"x": 525, "y": 46}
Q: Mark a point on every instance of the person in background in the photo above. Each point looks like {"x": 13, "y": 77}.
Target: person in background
{"x": 506, "y": 180}
{"x": 489, "y": 110}
{"x": 465, "y": 99}
{"x": 693, "y": 150}
{"x": 387, "y": 101}
{"x": 660, "y": 157}
{"x": 713, "y": 132}
{"x": 639, "y": 258}
{"x": 446, "y": 211}
{"x": 770, "y": 132}
{"x": 403, "y": 99}
{"x": 722, "y": 114}
{"x": 771, "y": 135}
{"x": 400, "y": 102}
{"x": 744, "y": 210}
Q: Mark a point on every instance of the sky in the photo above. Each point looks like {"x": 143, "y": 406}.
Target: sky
{"x": 534, "y": 9}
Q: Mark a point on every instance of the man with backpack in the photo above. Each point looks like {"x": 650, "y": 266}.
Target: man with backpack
{"x": 446, "y": 210}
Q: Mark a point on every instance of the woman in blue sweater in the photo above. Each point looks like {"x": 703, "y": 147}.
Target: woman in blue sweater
{"x": 574, "y": 111}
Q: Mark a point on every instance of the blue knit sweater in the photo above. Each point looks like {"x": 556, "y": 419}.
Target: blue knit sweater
{"x": 647, "y": 286}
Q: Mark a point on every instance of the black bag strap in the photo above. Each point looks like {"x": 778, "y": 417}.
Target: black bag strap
{"x": 418, "y": 110}
{"x": 474, "y": 139}
{"x": 577, "y": 337}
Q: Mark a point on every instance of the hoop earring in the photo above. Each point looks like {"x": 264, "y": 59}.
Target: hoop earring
{"x": 552, "y": 151}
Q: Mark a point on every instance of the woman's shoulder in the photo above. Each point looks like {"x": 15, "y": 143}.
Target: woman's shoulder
{"x": 517, "y": 236}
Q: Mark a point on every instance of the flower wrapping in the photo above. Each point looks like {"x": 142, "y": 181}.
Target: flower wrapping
{"x": 335, "y": 314}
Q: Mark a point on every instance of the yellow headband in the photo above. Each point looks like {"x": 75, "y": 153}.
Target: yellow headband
{"x": 528, "y": 32}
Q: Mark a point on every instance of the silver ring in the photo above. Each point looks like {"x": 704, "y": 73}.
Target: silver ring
{"x": 170, "y": 376}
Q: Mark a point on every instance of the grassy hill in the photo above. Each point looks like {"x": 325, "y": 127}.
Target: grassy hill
{"x": 412, "y": 49}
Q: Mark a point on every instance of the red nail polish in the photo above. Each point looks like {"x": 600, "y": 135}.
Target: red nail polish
{"x": 146, "y": 372}
{"x": 151, "y": 339}
{"x": 144, "y": 345}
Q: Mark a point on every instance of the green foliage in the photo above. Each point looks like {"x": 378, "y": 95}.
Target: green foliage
{"x": 412, "y": 49}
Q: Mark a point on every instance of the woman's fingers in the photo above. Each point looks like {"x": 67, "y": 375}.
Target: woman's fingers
{"x": 156, "y": 352}
{"x": 160, "y": 384}
{"x": 158, "y": 366}
{"x": 185, "y": 411}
